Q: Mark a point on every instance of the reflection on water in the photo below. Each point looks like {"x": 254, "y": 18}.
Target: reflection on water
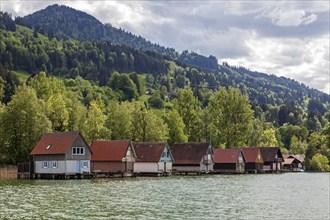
{"x": 277, "y": 196}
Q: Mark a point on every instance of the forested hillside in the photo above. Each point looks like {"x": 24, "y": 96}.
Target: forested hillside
{"x": 108, "y": 90}
{"x": 64, "y": 22}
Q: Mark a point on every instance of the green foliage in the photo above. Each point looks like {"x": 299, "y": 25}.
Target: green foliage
{"x": 188, "y": 108}
{"x": 288, "y": 131}
{"x": 2, "y": 88}
{"x": 123, "y": 85}
{"x": 297, "y": 146}
{"x": 319, "y": 162}
{"x": 176, "y": 127}
{"x": 22, "y": 123}
{"x": 119, "y": 120}
{"x": 268, "y": 138}
{"x": 94, "y": 128}
{"x": 147, "y": 126}
{"x": 6, "y": 22}
{"x": 262, "y": 134}
{"x": 156, "y": 102}
{"x": 231, "y": 118}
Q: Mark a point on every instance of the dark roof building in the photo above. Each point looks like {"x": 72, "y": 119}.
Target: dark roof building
{"x": 193, "y": 157}
{"x": 253, "y": 159}
{"x": 153, "y": 158}
{"x": 113, "y": 156}
{"x": 272, "y": 157}
{"x": 228, "y": 160}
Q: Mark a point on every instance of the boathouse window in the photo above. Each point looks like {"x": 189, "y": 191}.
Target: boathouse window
{"x": 78, "y": 151}
{"x": 85, "y": 164}
{"x": 45, "y": 164}
{"x": 168, "y": 153}
{"x": 164, "y": 154}
{"x": 54, "y": 164}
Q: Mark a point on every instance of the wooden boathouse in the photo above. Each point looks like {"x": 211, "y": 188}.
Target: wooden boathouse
{"x": 61, "y": 155}
{"x": 193, "y": 157}
{"x": 113, "y": 158}
{"x": 228, "y": 160}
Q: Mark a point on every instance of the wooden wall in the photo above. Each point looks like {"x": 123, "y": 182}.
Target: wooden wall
{"x": 8, "y": 172}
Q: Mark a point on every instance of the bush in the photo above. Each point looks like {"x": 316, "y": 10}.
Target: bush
{"x": 319, "y": 162}
{"x": 156, "y": 102}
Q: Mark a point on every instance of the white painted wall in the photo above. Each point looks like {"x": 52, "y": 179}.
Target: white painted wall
{"x": 144, "y": 167}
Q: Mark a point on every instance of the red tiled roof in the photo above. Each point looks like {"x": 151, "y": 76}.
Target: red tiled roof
{"x": 226, "y": 155}
{"x": 189, "y": 153}
{"x": 109, "y": 150}
{"x": 251, "y": 155}
{"x": 55, "y": 143}
{"x": 269, "y": 153}
{"x": 149, "y": 151}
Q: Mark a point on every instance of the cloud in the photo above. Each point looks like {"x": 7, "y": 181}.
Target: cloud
{"x": 285, "y": 38}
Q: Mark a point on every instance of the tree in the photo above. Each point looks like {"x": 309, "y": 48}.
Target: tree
{"x": 319, "y": 162}
{"x": 22, "y": 125}
{"x": 119, "y": 120}
{"x": 94, "y": 127}
{"x": 268, "y": 138}
{"x": 146, "y": 126}
{"x": 188, "y": 108}
{"x": 176, "y": 127}
{"x": 139, "y": 83}
{"x": 297, "y": 146}
{"x": 77, "y": 112}
{"x": 122, "y": 84}
{"x": 57, "y": 112}
{"x": 315, "y": 106}
{"x": 156, "y": 102}
{"x": 2, "y": 88}
{"x": 231, "y": 117}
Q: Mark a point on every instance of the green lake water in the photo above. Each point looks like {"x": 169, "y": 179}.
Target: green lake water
{"x": 268, "y": 196}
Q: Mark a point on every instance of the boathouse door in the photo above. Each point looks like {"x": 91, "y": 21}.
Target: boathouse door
{"x": 78, "y": 168}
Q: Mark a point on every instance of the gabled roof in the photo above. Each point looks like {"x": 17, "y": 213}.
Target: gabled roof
{"x": 149, "y": 151}
{"x": 56, "y": 143}
{"x": 226, "y": 155}
{"x": 269, "y": 153}
{"x": 251, "y": 155}
{"x": 109, "y": 150}
{"x": 189, "y": 153}
{"x": 300, "y": 157}
{"x": 290, "y": 161}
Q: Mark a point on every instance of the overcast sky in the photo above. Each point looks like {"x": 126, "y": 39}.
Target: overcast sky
{"x": 285, "y": 38}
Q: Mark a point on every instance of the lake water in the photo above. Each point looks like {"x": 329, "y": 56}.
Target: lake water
{"x": 269, "y": 196}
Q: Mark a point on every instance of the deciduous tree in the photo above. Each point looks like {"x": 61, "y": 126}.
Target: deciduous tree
{"x": 231, "y": 117}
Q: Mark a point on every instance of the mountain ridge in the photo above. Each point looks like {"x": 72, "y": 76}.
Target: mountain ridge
{"x": 260, "y": 87}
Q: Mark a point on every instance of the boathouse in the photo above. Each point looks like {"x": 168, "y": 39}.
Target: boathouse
{"x": 113, "y": 157}
{"x": 153, "y": 158}
{"x": 228, "y": 160}
{"x": 273, "y": 159}
{"x": 293, "y": 163}
{"x": 192, "y": 157}
{"x": 253, "y": 160}
{"x": 61, "y": 154}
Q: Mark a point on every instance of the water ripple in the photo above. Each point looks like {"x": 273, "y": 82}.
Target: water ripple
{"x": 289, "y": 196}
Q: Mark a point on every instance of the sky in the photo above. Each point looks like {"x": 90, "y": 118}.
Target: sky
{"x": 284, "y": 38}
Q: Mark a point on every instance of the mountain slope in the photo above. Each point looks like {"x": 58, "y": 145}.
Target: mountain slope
{"x": 64, "y": 22}
{"x": 96, "y": 61}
